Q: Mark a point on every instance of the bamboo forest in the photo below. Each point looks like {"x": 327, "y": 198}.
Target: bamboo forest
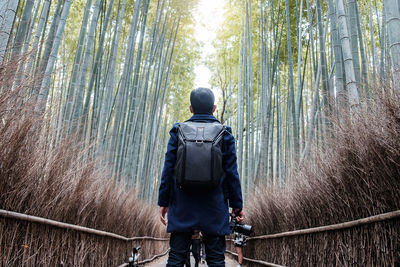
{"x": 90, "y": 89}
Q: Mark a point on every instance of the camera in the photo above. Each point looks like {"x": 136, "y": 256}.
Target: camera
{"x": 135, "y": 257}
{"x": 240, "y": 228}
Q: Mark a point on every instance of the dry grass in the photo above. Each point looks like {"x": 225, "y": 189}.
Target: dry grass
{"x": 56, "y": 184}
{"x": 357, "y": 176}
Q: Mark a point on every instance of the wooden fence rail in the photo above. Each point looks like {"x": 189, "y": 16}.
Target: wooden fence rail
{"x": 255, "y": 261}
{"x": 333, "y": 227}
{"x": 40, "y": 220}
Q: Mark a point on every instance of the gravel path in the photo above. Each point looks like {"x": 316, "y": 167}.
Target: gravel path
{"x": 161, "y": 262}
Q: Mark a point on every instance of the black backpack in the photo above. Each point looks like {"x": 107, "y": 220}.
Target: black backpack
{"x": 199, "y": 156}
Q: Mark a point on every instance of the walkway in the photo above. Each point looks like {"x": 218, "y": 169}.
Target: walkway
{"x": 161, "y": 262}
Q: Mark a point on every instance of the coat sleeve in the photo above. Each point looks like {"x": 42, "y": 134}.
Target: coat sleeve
{"x": 230, "y": 167}
{"x": 168, "y": 170}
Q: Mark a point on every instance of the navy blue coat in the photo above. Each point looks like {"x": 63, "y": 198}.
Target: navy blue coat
{"x": 204, "y": 211}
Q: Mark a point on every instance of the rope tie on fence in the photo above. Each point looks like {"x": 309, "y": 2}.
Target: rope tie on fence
{"x": 148, "y": 260}
{"x": 40, "y": 220}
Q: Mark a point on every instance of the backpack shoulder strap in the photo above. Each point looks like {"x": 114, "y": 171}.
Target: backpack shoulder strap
{"x": 181, "y": 134}
{"x": 220, "y": 134}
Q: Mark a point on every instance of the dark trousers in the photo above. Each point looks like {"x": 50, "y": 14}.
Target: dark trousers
{"x": 180, "y": 248}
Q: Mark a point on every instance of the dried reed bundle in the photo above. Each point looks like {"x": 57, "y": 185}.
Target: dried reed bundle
{"x": 55, "y": 183}
{"x": 355, "y": 176}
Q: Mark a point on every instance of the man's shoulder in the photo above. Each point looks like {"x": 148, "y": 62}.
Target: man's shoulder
{"x": 228, "y": 137}
{"x": 175, "y": 126}
{"x": 228, "y": 129}
{"x": 174, "y": 130}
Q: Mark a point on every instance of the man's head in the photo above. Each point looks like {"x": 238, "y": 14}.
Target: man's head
{"x": 202, "y": 101}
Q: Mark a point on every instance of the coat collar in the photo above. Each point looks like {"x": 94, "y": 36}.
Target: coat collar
{"x": 203, "y": 117}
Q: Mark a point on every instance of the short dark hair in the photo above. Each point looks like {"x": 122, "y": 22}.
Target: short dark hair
{"x": 202, "y": 100}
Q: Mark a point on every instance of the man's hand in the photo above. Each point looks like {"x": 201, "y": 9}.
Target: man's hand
{"x": 239, "y": 215}
{"x": 163, "y": 212}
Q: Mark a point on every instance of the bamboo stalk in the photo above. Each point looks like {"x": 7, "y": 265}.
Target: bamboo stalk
{"x": 76, "y": 66}
{"x": 351, "y": 82}
{"x": 23, "y": 27}
{"x": 45, "y": 86}
{"x": 391, "y": 10}
{"x": 40, "y": 220}
{"x": 6, "y": 25}
{"x": 291, "y": 95}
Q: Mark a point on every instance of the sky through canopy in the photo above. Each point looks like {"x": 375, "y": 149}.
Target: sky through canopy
{"x": 209, "y": 16}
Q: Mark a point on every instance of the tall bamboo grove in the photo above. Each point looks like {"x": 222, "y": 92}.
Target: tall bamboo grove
{"x": 104, "y": 72}
{"x": 287, "y": 66}
{"x": 115, "y": 74}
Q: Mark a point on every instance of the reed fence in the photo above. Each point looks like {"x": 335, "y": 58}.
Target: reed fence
{"x": 34, "y": 243}
{"x": 285, "y": 240}
{"x": 371, "y": 241}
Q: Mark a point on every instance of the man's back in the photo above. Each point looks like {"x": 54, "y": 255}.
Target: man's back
{"x": 206, "y": 208}
{"x": 202, "y": 210}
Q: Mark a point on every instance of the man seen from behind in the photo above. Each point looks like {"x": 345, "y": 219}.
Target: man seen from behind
{"x": 200, "y": 182}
